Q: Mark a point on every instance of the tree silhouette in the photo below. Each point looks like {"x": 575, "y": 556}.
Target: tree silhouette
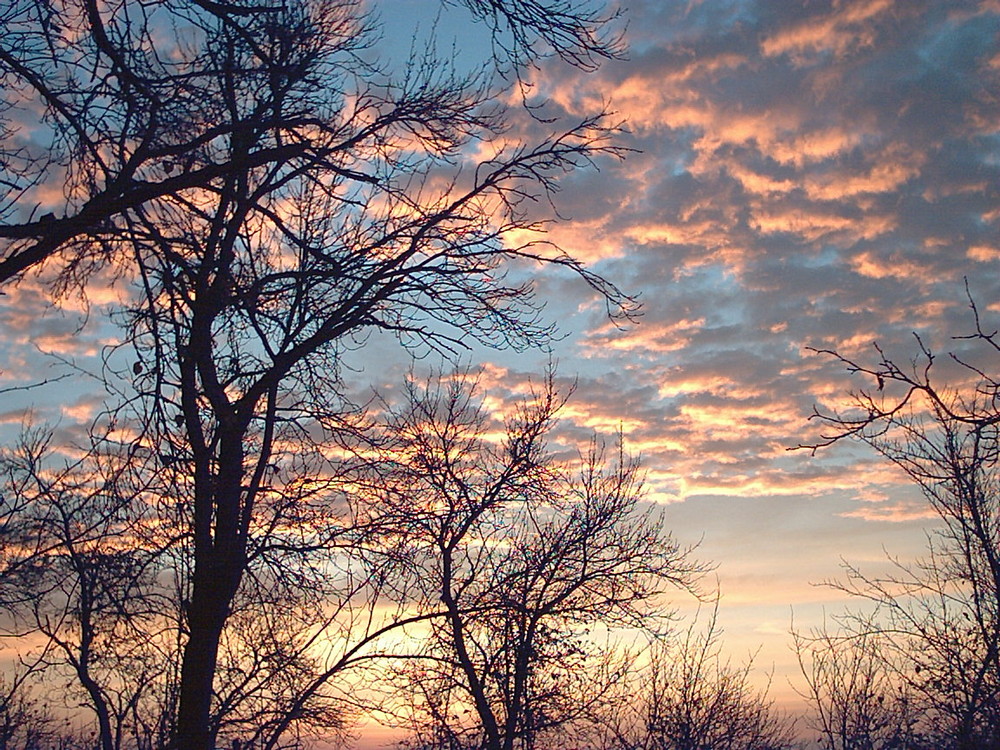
{"x": 858, "y": 702}
{"x": 937, "y": 618}
{"x": 272, "y": 198}
{"x": 131, "y": 106}
{"x": 693, "y": 699}
{"x": 522, "y": 558}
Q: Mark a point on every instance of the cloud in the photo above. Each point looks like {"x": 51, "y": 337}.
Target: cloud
{"x": 806, "y": 175}
{"x": 819, "y": 174}
{"x": 846, "y": 28}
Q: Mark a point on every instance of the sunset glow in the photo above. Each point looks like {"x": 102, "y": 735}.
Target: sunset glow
{"x": 796, "y": 176}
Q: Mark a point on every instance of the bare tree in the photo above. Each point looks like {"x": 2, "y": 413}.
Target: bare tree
{"x": 272, "y": 198}
{"x": 25, "y": 723}
{"x": 127, "y": 95}
{"x": 524, "y": 558}
{"x": 86, "y": 576}
{"x": 858, "y": 700}
{"x": 692, "y": 699}
{"x": 937, "y": 618}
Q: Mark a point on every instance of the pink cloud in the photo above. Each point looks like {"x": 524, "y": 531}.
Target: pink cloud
{"x": 842, "y": 32}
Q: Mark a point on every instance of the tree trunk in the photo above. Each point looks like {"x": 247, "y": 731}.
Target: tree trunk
{"x": 219, "y": 564}
{"x": 207, "y": 613}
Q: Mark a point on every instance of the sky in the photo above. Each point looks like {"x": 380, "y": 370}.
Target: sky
{"x": 803, "y": 175}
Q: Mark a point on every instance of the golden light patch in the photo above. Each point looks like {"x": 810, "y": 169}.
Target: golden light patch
{"x": 601, "y": 423}
{"x": 815, "y": 146}
{"x": 689, "y": 385}
{"x": 983, "y": 253}
{"x": 733, "y": 421}
{"x": 588, "y": 240}
{"x": 670, "y": 234}
{"x": 759, "y": 184}
{"x": 815, "y": 225}
{"x": 649, "y": 339}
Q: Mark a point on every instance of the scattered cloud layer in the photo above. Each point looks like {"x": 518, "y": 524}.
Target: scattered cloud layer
{"x": 815, "y": 174}
{"x": 807, "y": 175}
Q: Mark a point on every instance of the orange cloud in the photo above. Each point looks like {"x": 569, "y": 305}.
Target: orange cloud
{"x": 845, "y": 30}
{"x": 886, "y": 176}
{"x": 819, "y": 224}
{"x": 983, "y": 253}
{"x": 896, "y": 266}
{"x": 893, "y": 513}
